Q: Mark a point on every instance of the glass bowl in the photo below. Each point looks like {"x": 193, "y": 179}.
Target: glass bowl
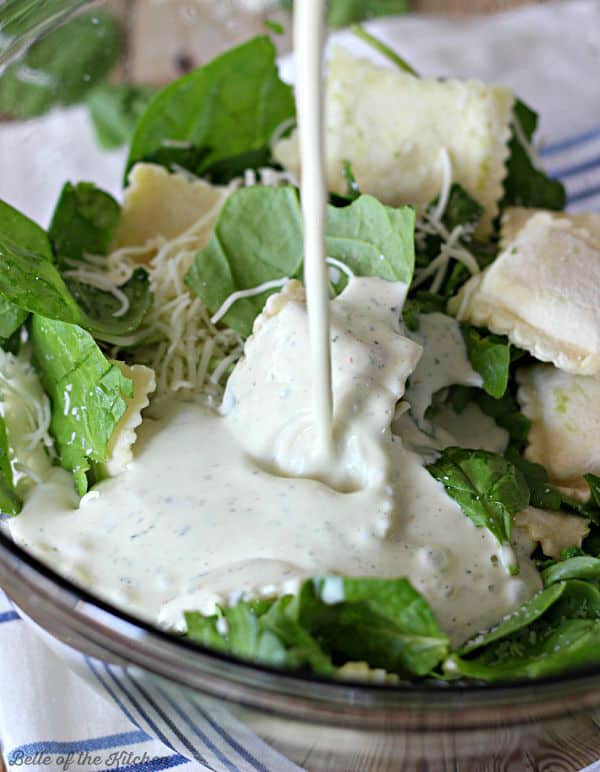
{"x": 318, "y": 724}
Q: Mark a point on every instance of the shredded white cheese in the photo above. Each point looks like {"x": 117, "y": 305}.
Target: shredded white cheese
{"x": 184, "y": 347}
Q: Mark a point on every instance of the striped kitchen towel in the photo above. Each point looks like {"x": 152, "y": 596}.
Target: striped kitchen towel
{"x": 70, "y": 712}
{"x": 575, "y": 160}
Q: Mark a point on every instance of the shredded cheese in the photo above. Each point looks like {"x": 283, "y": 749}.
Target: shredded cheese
{"x": 90, "y": 271}
{"x": 26, "y": 411}
{"x": 189, "y": 353}
{"x": 451, "y": 247}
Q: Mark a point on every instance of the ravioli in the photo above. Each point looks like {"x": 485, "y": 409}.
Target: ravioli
{"x": 393, "y": 127}
{"x": 554, "y": 531}
{"x": 543, "y": 289}
{"x": 120, "y": 453}
{"x": 564, "y": 410}
{"x": 160, "y": 204}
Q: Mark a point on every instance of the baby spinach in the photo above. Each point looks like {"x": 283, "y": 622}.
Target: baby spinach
{"x": 87, "y": 393}
{"x": 258, "y": 238}
{"x": 115, "y": 109}
{"x": 30, "y": 281}
{"x": 422, "y": 302}
{"x": 488, "y": 488}
{"x": 489, "y": 355}
{"x": 384, "y": 622}
{"x": 556, "y": 630}
{"x": 219, "y": 119}
{"x": 524, "y": 616}
{"x": 84, "y": 220}
{"x": 24, "y": 231}
{"x": 10, "y": 503}
{"x": 262, "y": 631}
{"x": 542, "y": 494}
{"x": 580, "y": 567}
{"x": 524, "y": 184}
{"x": 61, "y": 67}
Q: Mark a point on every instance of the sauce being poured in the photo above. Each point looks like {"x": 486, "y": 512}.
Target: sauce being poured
{"x": 309, "y": 38}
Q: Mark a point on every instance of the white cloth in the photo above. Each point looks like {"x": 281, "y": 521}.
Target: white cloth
{"x": 550, "y": 55}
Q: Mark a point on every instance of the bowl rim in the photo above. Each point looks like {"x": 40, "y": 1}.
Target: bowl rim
{"x": 95, "y": 627}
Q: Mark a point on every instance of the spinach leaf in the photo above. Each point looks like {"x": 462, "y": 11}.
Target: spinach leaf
{"x": 594, "y": 482}
{"x": 488, "y": 488}
{"x": 262, "y": 631}
{"x": 562, "y": 632}
{"x": 87, "y": 393}
{"x": 574, "y": 568}
{"x": 258, "y": 238}
{"x": 115, "y": 109}
{"x": 24, "y": 231}
{"x": 542, "y": 494}
{"x": 384, "y": 622}
{"x": 84, "y": 220}
{"x": 61, "y": 67}
{"x": 10, "y": 504}
{"x": 220, "y": 118}
{"x": 373, "y": 239}
{"x": 524, "y": 184}
{"x": 100, "y": 308}
{"x": 489, "y": 355}
{"x": 547, "y": 650}
{"x": 461, "y": 210}
{"x": 422, "y": 302}
{"x": 524, "y": 616}
{"x": 30, "y": 281}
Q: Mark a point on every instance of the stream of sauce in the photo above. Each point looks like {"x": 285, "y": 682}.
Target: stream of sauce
{"x": 309, "y": 39}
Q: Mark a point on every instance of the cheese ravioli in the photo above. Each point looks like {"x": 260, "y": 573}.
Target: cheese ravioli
{"x": 564, "y": 410}
{"x": 543, "y": 289}
{"x": 393, "y": 127}
{"x": 160, "y": 204}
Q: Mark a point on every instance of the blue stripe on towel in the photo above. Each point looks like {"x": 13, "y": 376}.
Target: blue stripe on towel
{"x": 9, "y": 616}
{"x": 231, "y": 741}
{"x": 167, "y": 721}
{"x": 197, "y": 731}
{"x": 569, "y": 142}
{"x": 112, "y": 693}
{"x": 151, "y": 724}
{"x": 583, "y": 194}
{"x": 576, "y": 169}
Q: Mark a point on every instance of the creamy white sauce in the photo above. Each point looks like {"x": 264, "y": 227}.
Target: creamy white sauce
{"x": 444, "y": 363}
{"x": 194, "y": 521}
{"x": 268, "y": 399}
{"x": 309, "y": 38}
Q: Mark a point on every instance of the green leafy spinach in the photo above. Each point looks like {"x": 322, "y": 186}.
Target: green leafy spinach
{"x": 87, "y": 393}
{"x": 219, "y": 119}
{"x": 258, "y": 238}
{"x": 61, "y": 67}
{"x": 84, "y": 220}
{"x": 488, "y": 488}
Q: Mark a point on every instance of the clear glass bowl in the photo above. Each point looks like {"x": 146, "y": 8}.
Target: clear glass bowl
{"x": 318, "y": 724}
